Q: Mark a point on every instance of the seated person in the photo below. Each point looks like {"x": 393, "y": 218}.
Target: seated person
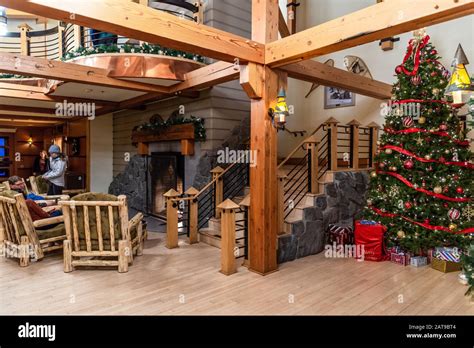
{"x": 36, "y": 213}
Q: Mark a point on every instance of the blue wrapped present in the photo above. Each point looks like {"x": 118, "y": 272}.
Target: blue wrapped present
{"x": 368, "y": 222}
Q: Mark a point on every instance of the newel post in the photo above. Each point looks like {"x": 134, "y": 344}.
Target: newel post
{"x": 193, "y": 215}
{"x": 374, "y": 136}
{"x": 218, "y": 189}
{"x": 313, "y": 164}
{"x": 281, "y": 202}
{"x": 78, "y": 37}
{"x": 60, "y": 39}
{"x": 228, "y": 209}
{"x": 332, "y": 143}
{"x": 25, "y": 38}
{"x": 354, "y": 124}
{"x": 171, "y": 219}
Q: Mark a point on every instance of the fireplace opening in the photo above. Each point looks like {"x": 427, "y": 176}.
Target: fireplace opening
{"x": 165, "y": 172}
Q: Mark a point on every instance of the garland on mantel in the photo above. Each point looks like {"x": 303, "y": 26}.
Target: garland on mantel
{"x": 159, "y": 126}
{"x": 127, "y": 48}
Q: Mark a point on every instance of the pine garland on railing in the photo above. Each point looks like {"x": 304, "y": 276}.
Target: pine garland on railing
{"x": 157, "y": 126}
{"x": 127, "y": 48}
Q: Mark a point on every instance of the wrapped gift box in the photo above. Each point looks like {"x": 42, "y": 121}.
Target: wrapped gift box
{"x": 448, "y": 254}
{"x": 341, "y": 235}
{"x": 371, "y": 238}
{"x": 445, "y": 266}
{"x": 400, "y": 258}
{"x": 418, "y": 261}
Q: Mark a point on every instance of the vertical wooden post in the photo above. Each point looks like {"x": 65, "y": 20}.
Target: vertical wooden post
{"x": 126, "y": 234}
{"x": 24, "y": 252}
{"x": 245, "y": 204}
{"x": 281, "y": 202}
{"x": 77, "y": 37}
{"x": 219, "y": 189}
{"x": 332, "y": 142}
{"x": 171, "y": 219}
{"x": 354, "y": 143}
{"x": 199, "y": 15}
{"x": 67, "y": 256}
{"x": 263, "y": 142}
{"x": 313, "y": 168}
{"x": 374, "y": 136}
{"x": 60, "y": 39}
{"x": 228, "y": 237}
{"x": 122, "y": 256}
{"x": 25, "y": 39}
{"x": 291, "y": 13}
{"x": 193, "y": 216}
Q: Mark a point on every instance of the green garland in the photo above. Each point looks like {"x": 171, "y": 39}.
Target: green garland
{"x": 12, "y": 76}
{"x": 127, "y": 48}
{"x": 199, "y": 130}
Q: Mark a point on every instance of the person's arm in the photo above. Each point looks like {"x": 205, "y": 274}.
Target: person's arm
{"x": 35, "y": 211}
{"x": 57, "y": 170}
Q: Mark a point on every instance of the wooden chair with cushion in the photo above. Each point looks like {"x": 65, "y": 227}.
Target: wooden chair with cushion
{"x": 39, "y": 186}
{"x": 99, "y": 232}
{"x": 22, "y": 238}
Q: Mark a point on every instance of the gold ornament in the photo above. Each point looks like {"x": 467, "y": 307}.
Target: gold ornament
{"x": 453, "y": 227}
{"x": 369, "y": 202}
{"x": 373, "y": 174}
{"x": 435, "y": 91}
{"x": 388, "y": 151}
{"x": 468, "y": 212}
{"x": 393, "y": 169}
{"x": 438, "y": 190}
{"x": 422, "y": 120}
{"x": 401, "y": 234}
{"x": 427, "y": 157}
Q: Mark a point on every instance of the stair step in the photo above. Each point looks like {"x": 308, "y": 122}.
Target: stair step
{"x": 213, "y": 238}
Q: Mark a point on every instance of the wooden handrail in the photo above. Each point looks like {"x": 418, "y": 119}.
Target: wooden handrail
{"x": 299, "y": 146}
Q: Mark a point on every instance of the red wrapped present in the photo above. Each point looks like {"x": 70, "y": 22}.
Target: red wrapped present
{"x": 341, "y": 235}
{"x": 369, "y": 240}
{"x": 400, "y": 258}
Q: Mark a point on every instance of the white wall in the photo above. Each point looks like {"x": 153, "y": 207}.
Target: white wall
{"x": 101, "y": 143}
{"x": 310, "y": 113}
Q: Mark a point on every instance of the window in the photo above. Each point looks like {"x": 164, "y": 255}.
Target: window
{"x": 3, "y": 146}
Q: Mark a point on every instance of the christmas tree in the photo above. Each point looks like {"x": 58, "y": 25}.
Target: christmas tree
{"x": 422, "y": 183}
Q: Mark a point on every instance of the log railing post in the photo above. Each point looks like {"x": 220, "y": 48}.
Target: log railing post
{"x": 61, "y": 29}
{"x": 332, "y": 143}
{"x": 219, "y": 189}
{"x": 77, "y": 37}
{"x": 374, "y": 135}
{"x": 313, "y": 164}
{"x": 25, "y": 38}
{"x": 245, "y": 206}
{"x": 193, "y": 215}
{"x": 281, "y": 202}
{"x": 199, "y": 15}
{"x": 228, "y": 209}
{"x": 354, "y": 124}
{"x": 171, "y": 219}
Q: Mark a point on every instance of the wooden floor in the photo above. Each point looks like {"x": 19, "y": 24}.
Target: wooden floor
{"x": 187, "y": 281}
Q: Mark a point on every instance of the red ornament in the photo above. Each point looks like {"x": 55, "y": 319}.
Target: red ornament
{"x": 446, "y": 205}
{"x": 408, "y": 121}
{"x": 408, "y": 205}
{"x": 459, "y": 190}
{"x": 434, "y": 73}
{"x": 454, "y": 214}
{"x": 408, "y": 164}
{"x": 433, "y": 52}
{"x": 416, "y": 80}
{"x": 446, "y": 189}
{"x": 398, "y": 69}
{"x": 443, "y": 127}
{"x": 423, "y": 184}
{"x": 442, "y": 159}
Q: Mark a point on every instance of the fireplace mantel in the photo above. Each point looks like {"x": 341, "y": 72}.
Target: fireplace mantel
{"x": 181, "y": 132}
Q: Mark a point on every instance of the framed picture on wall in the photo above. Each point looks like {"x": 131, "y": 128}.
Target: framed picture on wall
{"x": 337, "y": 97}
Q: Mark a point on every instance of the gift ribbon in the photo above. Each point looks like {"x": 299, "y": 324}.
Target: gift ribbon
{"x": 421, "y": 159}
{"x": 421, "y": 130}
{"x": 416, "y": 59}
{"x": 429, "y": 193}
{"x": 422, "y": 224}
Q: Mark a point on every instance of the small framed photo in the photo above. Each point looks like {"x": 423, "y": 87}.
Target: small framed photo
{"x": 337, "y": 98}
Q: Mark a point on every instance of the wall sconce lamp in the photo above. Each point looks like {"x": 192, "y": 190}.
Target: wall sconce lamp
{"x": 460, "y": 87}
{"x": 30, "y": 141}
{"x": 280, "y": 112}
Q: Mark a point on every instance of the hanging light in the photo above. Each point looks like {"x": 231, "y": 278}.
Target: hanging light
{"x": 3, "y": 21}
{"x": 460, "y": 87}
{"x": 280, "y": 112}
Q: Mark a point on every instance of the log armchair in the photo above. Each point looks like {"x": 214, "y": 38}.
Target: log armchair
{"x": 99, "y": 232}
{"x": 22, "y": 238}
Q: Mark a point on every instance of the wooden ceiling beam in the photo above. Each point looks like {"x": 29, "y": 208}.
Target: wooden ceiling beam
{"x": 57, "y": 70}
{"x": 19, "y": 87}
{"x": 316, "y": 72}
{"x": 48, "y": 111}
{"x": 373, "y": 23}
{"x": 4, "y": 115}
{"x": 140, "y": 22}
{"x": 38, "y": 96}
